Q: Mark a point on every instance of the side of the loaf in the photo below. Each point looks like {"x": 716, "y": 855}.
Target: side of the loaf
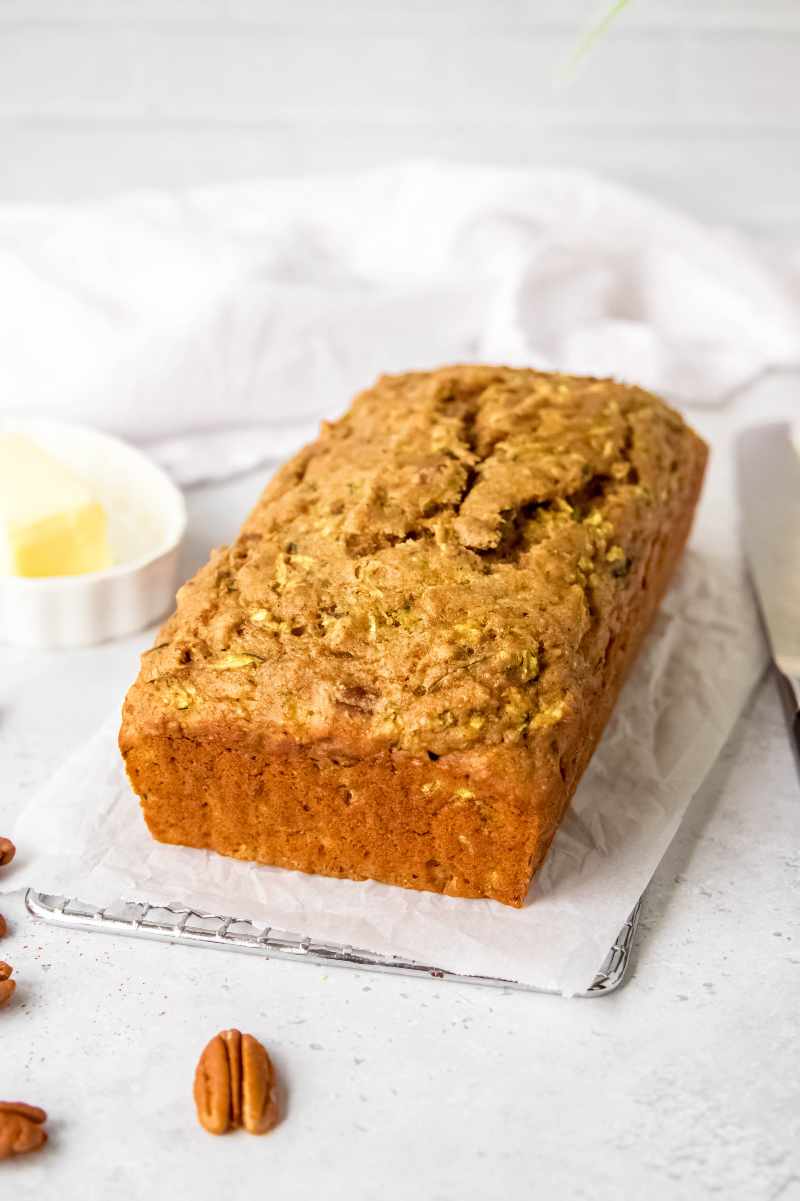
{"x": 401, "y": 667}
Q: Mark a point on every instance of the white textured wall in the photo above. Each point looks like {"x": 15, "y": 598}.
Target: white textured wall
{"x": 698, "y": 100}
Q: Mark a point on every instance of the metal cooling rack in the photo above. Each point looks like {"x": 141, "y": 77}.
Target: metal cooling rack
{"x": 178, "y": 924}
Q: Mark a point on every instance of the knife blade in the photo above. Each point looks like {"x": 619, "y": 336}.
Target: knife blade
{"x": 768, "y": 476}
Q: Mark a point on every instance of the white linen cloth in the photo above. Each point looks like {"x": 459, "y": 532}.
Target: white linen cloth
{"x": 219, "y": 326}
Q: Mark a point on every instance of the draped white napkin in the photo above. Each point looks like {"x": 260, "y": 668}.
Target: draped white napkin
{"x": 219, "y": 326}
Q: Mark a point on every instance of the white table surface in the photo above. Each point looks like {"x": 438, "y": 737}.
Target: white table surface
{"x": 684, "y": 1084}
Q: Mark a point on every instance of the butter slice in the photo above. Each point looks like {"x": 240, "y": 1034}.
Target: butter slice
{"x": 50, "y": 523}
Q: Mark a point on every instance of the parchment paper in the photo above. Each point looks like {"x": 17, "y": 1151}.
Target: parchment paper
{"x": 88, "y": 839}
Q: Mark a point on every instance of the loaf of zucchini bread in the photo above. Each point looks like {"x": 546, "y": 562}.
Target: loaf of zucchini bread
{"x": 401, "y": 666}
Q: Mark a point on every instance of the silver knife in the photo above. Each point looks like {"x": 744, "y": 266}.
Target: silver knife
{"x": 769, "y": 494}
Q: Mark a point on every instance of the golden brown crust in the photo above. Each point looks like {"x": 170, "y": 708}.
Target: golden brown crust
{"x": 400, "y": 668}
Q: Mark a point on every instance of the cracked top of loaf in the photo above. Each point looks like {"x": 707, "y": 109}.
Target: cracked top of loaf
{"x": 444, "y": 567}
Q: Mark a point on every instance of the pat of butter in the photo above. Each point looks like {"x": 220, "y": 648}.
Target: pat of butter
{"x": 50, "y": 523}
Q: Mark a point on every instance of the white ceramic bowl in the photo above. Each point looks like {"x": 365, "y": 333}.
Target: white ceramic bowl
{"x": 147, "y": 523}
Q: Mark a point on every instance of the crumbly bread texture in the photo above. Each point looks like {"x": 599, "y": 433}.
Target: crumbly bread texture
{"x": 401, "y": 667}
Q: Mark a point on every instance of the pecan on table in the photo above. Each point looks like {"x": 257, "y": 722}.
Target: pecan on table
{"x": 234, "y": 1085}
{"x": 7, "y": 985}
{"x": 21, "y": 1128}
{"x": 7, "y": 851}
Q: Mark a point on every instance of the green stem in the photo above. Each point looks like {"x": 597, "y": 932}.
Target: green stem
{"x": 591, "y": 38}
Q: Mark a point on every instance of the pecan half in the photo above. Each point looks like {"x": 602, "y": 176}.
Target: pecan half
{"x": 7, "y": 851}
{"x": 234, "y": 1085}
{"x": 3, "y": 926}
{"x": 7, "y": 985}
{"x": 21, "y": 1128}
